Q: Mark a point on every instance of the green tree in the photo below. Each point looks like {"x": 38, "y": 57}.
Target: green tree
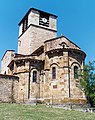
{"x": 87, "y": 82}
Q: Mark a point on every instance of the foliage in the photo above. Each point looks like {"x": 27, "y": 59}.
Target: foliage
{"x": 87, "y": 82}
{"x": 40, "y": 112}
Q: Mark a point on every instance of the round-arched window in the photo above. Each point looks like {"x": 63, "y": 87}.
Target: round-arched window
{"x": 75, "y": 72}
{"x": 34, "y": 76}
{"x": 53, "y": 72}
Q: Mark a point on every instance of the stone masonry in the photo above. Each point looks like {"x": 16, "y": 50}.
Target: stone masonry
{"x": 46, "y": 67}
{"x": 8, "y": 88}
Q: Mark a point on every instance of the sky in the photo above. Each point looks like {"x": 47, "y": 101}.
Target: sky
{"x": 76, "y": 21}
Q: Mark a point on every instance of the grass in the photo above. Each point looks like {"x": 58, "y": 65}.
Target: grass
{"x": 40, "y": 112}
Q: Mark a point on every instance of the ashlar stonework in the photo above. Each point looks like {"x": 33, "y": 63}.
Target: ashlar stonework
{"x": 47, "y": 66}
{"x": 8, "y": 88}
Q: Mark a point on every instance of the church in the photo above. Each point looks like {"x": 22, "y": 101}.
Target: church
{"x": 45, "y": 68}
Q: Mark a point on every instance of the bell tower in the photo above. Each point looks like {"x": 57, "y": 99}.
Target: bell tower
{"x": 36, "y": 27}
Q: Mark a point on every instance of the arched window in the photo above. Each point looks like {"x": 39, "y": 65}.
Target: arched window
{"x": 34, "y": 76}
{"x": 5, "y": 72}
{"x": 75, "y": 72}
{"x": 54, "y": 73}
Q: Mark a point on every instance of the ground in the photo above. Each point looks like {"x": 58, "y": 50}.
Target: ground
{"x": 40, "y": 112}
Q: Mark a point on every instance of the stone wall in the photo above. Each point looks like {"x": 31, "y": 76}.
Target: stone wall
{"x": 56, "y": 43}
{"x": 8, "y": 88}
{"x": 8, "y": 56}
{"x": 33, "y": 18}
{"x": 33, "y": 38}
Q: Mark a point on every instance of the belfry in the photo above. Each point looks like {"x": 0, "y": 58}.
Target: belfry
{"x": 46, "y": 66}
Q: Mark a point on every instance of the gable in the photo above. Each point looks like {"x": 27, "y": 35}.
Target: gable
{"x": 60, "y": 42}
{"x": 69, "y": 43}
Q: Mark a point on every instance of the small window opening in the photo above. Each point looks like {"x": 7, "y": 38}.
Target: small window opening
{"x": 5, "y": 73}
{"x": 25, "y": 24}
{"x": 54, "y": 73}
{"x": 75, "y": 72}
{"x": 34, "y": 76}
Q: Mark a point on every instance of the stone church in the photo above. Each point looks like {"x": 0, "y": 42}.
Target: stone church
{"x": 45, "y": 68}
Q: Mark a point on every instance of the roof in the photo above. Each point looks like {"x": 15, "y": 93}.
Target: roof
{"x": 70, "y": 49}
{"x": 62, "y": 37}
{"x": 38, "y": 51}
{"x": 19, "y": 55}
{"x": 35, "y": 53}
{"x": 35, "y": 10}
{"x": 9, "y": 76}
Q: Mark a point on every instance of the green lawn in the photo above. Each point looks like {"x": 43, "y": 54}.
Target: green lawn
{"x": 40, "y": 112}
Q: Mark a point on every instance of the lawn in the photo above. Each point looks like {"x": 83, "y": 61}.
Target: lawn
{"x": 40, "y": 112}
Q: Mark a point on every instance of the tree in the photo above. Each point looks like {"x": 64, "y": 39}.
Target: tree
{"x": 87, "y": 82}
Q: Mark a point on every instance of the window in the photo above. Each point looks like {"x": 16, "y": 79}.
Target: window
{"x": 5, "y": 72}
{"x": 34, "y": 76}
{"x": 75, "y": 72}
{"x": 25, "y": 24}
{"x": 54, "y": 73}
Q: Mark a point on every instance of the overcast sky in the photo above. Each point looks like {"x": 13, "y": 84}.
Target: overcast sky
{"x": 76, "y": 21}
